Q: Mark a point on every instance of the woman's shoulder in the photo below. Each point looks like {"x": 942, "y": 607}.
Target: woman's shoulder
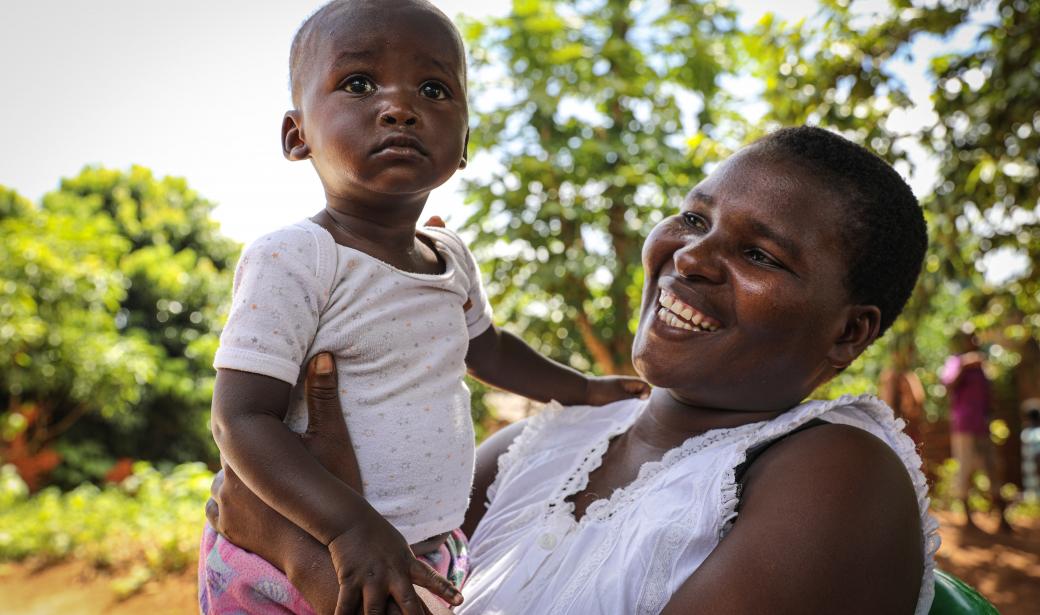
{"x": 854, "y": 480}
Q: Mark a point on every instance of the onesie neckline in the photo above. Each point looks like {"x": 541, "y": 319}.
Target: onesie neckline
{"x": 439, "y": 246}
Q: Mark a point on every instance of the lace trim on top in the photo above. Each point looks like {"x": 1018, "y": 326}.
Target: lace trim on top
{"x": 903, "y": 446}
{"x": 907, "y": 451}
{"x": 605, "y": 508}
{"x": 522, "y": 445}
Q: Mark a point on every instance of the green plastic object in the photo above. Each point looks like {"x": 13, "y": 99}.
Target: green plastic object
{"x": 955, "y": 597}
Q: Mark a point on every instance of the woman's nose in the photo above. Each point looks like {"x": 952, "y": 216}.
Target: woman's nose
{"x": 699, "y": 260}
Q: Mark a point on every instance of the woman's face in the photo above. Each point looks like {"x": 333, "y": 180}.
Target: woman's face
{"x": 744, "y": 305}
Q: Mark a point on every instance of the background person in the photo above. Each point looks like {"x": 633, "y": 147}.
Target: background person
{"x": 970, "y": 397}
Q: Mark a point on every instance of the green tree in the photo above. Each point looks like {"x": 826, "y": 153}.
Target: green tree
{"x": 588, "y": 145}
{"x": 837, "y": 69}
{"x": 987, "y": 137}
{"x": 116, "y": 288}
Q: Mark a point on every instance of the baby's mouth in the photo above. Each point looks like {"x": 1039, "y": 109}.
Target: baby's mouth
{"x": 401, "y": 143}
{"x": 675, "y": 312}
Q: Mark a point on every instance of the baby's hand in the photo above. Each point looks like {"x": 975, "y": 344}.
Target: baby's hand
{"x": 602, "y": 390}
{"x": 373, "y": 564}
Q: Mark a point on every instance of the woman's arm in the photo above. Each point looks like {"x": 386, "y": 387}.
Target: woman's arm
{"x": 829, "y": 523}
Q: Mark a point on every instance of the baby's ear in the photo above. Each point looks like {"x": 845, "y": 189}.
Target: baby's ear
{"x": 293, "y": 146}
{"x": 465, "y": 152}
{"x": 862, "y": 325}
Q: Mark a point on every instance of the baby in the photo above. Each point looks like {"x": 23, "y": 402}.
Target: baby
{"x": 379, "y": 95}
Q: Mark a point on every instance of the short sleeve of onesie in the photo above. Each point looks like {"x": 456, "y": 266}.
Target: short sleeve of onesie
{"x": 478, "y": 309}
{"x": 282, "y": 284}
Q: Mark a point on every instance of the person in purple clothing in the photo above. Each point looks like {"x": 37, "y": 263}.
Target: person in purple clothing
{"x": 969, "y": 392}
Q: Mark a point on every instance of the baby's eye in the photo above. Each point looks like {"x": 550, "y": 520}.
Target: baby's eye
{"x": 695, "y": 221}
{"x": 357, "y": 84}
{"x": 434, "y": 90}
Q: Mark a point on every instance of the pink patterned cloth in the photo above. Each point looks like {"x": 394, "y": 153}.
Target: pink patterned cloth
{"x": 233, "y": 581}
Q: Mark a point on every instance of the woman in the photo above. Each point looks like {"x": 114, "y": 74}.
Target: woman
{"x": 722, "y": 493}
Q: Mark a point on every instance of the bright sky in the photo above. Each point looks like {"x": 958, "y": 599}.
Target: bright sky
{"x": 192, "y": 88}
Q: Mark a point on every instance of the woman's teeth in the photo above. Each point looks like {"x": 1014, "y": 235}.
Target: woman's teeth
{"x": 678, "y": 314}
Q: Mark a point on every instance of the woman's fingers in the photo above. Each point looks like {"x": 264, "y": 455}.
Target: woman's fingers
{"x": 435, "y": 221}
{"x": 425, "y": 576}
{"x": 212, "y": 508}
{"x": 327, "y": 437}
{"x": 324, "y": 412}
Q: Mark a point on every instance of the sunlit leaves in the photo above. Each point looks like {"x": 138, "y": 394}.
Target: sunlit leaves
{"x": 587, "y": 141}
{"x": 113, "y": 293}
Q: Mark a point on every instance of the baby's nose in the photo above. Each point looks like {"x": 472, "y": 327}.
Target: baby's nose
{"x": 398, "y": 116}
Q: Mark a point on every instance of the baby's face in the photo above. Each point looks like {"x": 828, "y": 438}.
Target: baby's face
{"x": 383, "y": 102}
{"x": 744, "y": 292}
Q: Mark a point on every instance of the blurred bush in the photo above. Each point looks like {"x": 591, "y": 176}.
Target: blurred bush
{"x": 142, "y": 528}
{"x": 113, "y": 290}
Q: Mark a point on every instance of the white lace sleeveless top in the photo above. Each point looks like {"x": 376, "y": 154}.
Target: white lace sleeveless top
{"x": 631, "y": 552}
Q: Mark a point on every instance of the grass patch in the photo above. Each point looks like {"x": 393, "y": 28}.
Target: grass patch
{"x": 140, "y": 529}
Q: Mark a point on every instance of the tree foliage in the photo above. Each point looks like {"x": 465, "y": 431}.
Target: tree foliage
{"x": 587, "y": 147}
{"x": 609, "y": 110}
{"x": 113, "y": 295}
{"x": 987, "y": 139}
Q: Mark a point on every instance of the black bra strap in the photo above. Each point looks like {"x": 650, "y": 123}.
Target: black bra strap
{"x": 753, "y": 453}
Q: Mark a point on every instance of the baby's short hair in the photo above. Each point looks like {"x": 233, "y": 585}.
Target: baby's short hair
{"x": 885, "y": 229}
{"x": 303, "y": 41}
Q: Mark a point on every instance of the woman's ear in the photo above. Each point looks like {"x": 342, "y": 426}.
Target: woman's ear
{"x": 293, "y": 146}
{"x": 862, "y": 324}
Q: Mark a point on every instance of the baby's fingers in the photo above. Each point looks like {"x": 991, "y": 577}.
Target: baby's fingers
{"x": 347, "y": 601}
{"x": 404, "y": 598}
{"x": 425, "y": 576}
{"x": 635, "y": 387}
{"x": 374, "y": 597}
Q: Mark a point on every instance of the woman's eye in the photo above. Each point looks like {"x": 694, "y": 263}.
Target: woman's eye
{"x": 695, "y": 221}
{"x": 359, "y": 85}
{"x": 434, "y": 90}
{"x": 760, "y": 257}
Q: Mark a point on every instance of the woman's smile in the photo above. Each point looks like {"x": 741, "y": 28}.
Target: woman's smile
{"x": 727, "y": 322}
{"x": 677, "y": 313}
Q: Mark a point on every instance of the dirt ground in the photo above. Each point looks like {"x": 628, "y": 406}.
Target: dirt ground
{"x": 1006, "y": 569}
{"x": 69, "y": 589}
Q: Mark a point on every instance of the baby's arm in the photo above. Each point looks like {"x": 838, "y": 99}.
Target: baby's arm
{"x": 248, "y": 410}
{"x": 505, "y": 361}
{"x": 372, "y": 559}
